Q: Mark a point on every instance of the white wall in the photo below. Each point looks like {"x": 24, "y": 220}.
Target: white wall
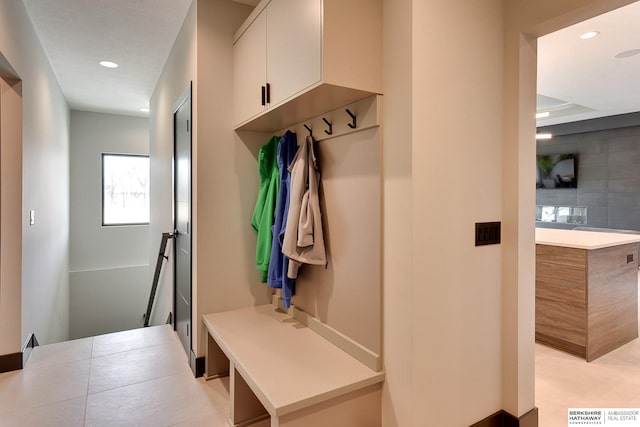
{"x": 108, "y": 265}
{"x": 107, "y": 300}
{"x": 45, "y": 184}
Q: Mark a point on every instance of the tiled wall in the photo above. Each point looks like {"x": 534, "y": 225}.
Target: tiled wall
{"x": 608, "y": 177}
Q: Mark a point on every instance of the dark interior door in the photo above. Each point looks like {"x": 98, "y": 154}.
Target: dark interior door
{"x": 182, "y": 200}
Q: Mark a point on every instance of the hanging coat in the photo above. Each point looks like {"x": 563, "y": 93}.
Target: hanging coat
{"x": 279, "y": 264}
{"x": 303, "y": 241}
{"x": 263, "y": 213}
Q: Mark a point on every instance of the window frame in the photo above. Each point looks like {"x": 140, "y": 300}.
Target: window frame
{"x": 102, "y": 192}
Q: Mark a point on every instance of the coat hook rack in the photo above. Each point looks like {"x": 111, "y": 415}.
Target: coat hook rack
{"x": 354, "y": 123}
{"x": 335, "y": 123}
{"x": 330, "y": 131}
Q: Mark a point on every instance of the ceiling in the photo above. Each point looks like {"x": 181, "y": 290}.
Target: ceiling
{"x": 136, "y": 34}
{"x": 581, "y": 79}
{"x": 577, "y": 79}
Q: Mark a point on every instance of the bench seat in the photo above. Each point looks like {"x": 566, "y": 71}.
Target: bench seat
{"x": 297, "y": 376}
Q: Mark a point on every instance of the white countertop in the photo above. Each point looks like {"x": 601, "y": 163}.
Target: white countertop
{"x": 583, "y": 239}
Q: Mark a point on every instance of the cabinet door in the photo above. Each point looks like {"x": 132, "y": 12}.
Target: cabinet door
{"x": 294, "y": 46}
{"x": 249, "y": 67}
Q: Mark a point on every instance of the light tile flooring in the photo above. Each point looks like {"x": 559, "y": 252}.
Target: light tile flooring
{"x": 564, "y": 381}
{"x": 132, "y": 378}
{"x": 141, "y": 378}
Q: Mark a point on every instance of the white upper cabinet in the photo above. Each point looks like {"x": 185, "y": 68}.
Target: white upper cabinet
{"x": 250, "y": 70}
{"x": 307, "y": 57}
{"x": 294, "y": 46}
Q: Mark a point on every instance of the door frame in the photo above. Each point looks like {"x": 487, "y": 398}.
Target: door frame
{"x": 185, "y": 96}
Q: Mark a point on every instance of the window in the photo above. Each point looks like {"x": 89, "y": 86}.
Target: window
{"x": 125, "y": 189}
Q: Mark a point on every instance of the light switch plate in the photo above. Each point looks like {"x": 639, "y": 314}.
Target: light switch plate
{"x": 488, "y": 233}
{"x": 32, "y": 217}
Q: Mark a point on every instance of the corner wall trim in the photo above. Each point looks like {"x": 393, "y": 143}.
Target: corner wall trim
{"x": 10, "y": 362}
{"x": 200, "y": 366}
{"x": 27, "y": 347}
{"x": 16, "y": 361}
{"x": 504, "y": 419}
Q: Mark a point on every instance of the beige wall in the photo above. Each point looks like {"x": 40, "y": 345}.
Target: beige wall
{"x": 397, "y": 137}
{"x": 224, "y": 170}
{"x": 225, "y": 177}
{"x": 347, "y": 294}
{"x": 459, "y": 331}
{"x": 456, "y": 157}
{"x": 45, "y": 182}
{"x": 179, "y": 70}
{"x": 458, "y": 319}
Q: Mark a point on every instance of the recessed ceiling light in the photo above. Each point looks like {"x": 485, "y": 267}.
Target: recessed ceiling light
{"x": 589, "y": 35}
{"x": 144, "y": 110}
{"x": 627, "y": 53}
{"x": 543, "y": 136}
{"x": 542, "y": 115}
{"x": 108, "y": 64}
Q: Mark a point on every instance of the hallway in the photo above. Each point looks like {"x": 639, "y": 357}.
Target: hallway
{"x": 133, "y": 378}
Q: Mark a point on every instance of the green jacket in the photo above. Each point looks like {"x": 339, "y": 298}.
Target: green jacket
{"x": 264, "y": 212}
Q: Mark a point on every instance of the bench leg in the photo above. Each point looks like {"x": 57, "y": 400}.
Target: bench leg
{"x": 245, "y": 407}
{"x": 217, "y": 363}
{"x": 360, "y": 408}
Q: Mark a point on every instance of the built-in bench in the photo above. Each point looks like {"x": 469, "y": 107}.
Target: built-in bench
{"x": 283, "y": 369}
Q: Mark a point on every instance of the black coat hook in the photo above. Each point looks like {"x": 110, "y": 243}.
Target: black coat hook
{"x": 353, "y": 119}
{"x": 330, "y": 131}
{"x": 309, "y": 129}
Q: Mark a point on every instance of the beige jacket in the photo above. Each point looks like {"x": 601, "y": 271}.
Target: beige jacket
{"x": 303, "y": 241}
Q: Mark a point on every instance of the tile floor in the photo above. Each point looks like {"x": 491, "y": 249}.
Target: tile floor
{"x": 142, "y": 378}
{"x": 132, "y": 378}
{"x": 564, "y": 381}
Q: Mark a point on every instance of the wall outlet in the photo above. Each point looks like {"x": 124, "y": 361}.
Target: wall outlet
{"x": 32, "y": 217}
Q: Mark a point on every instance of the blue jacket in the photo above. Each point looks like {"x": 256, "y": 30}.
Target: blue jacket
{"x": 278, "y": 263}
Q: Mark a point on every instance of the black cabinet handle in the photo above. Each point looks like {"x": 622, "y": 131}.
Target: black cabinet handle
{"x": 263, "y": 95}
{"x": 268, "y": 93}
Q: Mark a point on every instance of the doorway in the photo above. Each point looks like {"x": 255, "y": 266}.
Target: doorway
{"x": 594, "y": 121}
{"x": 182, "y": 288}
